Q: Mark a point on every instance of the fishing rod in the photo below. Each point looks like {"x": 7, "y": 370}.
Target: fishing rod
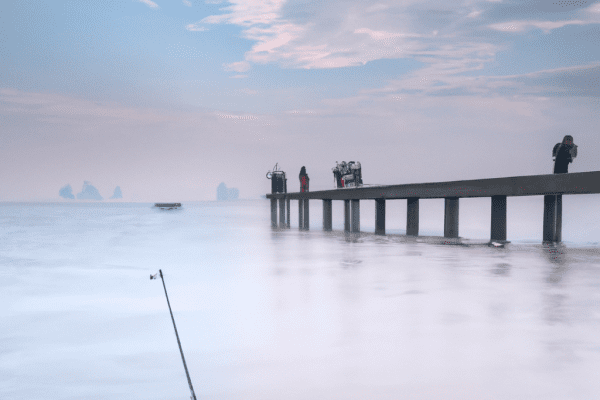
{"x": 193, "y": 397}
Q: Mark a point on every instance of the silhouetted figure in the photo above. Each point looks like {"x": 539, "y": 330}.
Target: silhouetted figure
{"x": 303, "y": 180}
{"x": 338, "y": 171}
{"x": 563, "y": 154}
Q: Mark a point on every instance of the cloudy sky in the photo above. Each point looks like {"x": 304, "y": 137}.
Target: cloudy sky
{"x": 169, "y": 98}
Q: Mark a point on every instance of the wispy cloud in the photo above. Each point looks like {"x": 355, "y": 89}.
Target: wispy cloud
{"x": 348, "y": 33}
{"x": 187, "y": 3}
{"x": 546, "y": 26}
{"x": 245, "y": 117}
{"x": 149, "y": 3}
{"x": 196, "y": 27}
{"x": 454, "y": 40}
{"x": 240, "y": 66}
{"x": 579, "y": 81}
{"x": 66, "y": 110}
{"x": 578, "y": 15}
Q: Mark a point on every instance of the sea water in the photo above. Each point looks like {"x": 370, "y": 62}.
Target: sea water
{"x": 271, "y": 314}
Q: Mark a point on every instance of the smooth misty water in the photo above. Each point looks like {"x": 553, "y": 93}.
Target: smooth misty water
{"x": 268, "y": 314}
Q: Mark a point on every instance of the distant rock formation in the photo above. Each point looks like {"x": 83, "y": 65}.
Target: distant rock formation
{"x": 117, "y": 194}
{"x": 223, "y": 193}
{"x": 89, "y": 192}
{"x": 66, "y": 192}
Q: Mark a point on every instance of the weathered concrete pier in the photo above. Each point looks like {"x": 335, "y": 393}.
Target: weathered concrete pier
{"x": 552, "y": 187}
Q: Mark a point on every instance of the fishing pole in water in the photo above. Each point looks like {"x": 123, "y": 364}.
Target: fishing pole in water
{"x": 193, "y": 397}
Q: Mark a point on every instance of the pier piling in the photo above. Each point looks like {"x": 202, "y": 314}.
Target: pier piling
{"x": 327, "y": 215}
{"x": 412, "y": 216}
{"x": 306, "y": 224}
{"x": 347, "y": 215}
{"x": 287, "y": 220}
{"x": 355, "y": 215}
{"x": 380, "y": 216}
{"x": 498, "y": 224}
{"x": 558, "y": 231}
{"x": 300, "y": 214}
{"x": 552, "y": 218}
{"x": 282, "y": 213}
{"x": 274, "y": 213}
{"x": 451, "y": 217}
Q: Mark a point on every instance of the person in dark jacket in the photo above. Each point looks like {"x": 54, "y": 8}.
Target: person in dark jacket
{"x": 303, "y": 180}
{"x": 563, "y": 154}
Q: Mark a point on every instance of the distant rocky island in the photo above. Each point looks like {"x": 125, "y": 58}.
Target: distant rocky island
{"x": 88, "y": 192}
{"x": 224, "y": 193}
{"x": 117, "y": 194}
{"x": 66, "y": 192}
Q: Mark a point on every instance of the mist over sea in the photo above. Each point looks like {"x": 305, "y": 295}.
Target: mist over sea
{"x": 274, "y": 314}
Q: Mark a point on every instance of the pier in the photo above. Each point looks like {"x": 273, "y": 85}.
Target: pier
{"x": 552, "y": 187}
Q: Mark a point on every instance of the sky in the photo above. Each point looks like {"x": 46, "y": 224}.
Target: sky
{"x": 167, "y": 99}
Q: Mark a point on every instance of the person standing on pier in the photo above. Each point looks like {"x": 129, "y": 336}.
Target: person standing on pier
{"x": 303, "y": 180}
{"x": 563, "y": 154}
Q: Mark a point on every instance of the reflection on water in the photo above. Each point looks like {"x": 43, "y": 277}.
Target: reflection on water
{"x": 501, "y": 269}
{"x": 285, "y": 314}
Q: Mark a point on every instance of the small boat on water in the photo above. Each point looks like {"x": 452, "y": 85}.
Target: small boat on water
{"x": 167, "y": 206}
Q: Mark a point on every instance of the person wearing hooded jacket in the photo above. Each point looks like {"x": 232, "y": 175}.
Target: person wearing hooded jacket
{"x": 303, "y": 179}
{"x": 563, "y": 154}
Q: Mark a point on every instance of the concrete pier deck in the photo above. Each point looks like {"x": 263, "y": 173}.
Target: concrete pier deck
{"x": 551, "y": 186}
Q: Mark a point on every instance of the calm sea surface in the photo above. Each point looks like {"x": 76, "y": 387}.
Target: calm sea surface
{"x": 286, "y": 314}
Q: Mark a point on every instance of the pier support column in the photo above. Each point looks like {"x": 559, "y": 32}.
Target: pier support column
{"x": 287, "y": 220}
{"x": 451, "y": 217}
{"x": 347, "y": 215}
{"x": 282, "y": 213}
{"x": 498, "y": 229}
{"x": 412, "y": 216}
{"x": 327, "y": 215}
{"x": 552, "y": 218}
{"x": 558, "y": 231}
{"x": 380, "y": 216}
{"x": 306, "y": 225}
{"x": 355, "y": 215}
{"x": 300, "y": 214}
{"x": 274, "y": 213}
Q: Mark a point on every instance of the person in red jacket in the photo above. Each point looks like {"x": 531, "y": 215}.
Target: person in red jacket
{"x": 303, "y": 180}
